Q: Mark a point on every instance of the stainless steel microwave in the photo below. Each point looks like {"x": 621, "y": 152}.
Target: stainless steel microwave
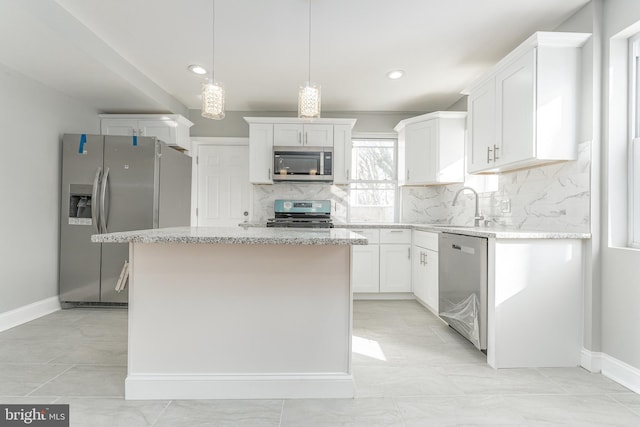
{"x": 302, "y": 163}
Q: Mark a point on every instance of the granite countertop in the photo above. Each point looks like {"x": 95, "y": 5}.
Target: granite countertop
{"x": 497, "y": 232}
{"x": 236, "y": 236}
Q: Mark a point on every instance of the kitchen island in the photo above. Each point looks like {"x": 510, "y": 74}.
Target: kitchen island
{"x": 238, "y": 313}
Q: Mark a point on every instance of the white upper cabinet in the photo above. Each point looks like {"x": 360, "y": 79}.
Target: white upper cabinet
{"x": 267, "y": 132}
{"x": 342, "y": 154}
{"x": 260, "y": 153}
{"x": 298, "y": 134}
{"x": 172, "y": 129}
{"x": 524, "y": 112}
{"x": 431, "y": 148}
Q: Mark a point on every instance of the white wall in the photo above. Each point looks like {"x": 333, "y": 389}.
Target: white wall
{"x": 32, "y": 118}
{"x": 620, "y": 266}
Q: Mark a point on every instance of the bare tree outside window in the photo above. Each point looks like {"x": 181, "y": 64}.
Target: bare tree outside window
{"x": 373, "y": 188}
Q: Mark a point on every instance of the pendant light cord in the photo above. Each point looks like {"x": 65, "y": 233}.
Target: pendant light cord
{"x": 213, "y": 40}
{"x": 309, "y": 50}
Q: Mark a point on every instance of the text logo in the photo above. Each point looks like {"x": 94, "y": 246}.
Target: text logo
{"x": 34, "y": 415}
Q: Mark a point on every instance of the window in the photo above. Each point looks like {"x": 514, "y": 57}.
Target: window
{"x": 373, "y": 189}
{"x": 634, "y": 139}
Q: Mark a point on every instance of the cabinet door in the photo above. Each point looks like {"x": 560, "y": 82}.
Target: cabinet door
{"x": 365, "y": 265}
{"x": 395, "y": 268}
{"x": 341, "y": 154}
{"x": 418, "y": 273}
{"x": 430, "y": 276}
{"x": 125, "y": 127}
{"x": 421, "y": 152}
{"x": 317, "y": 135}
{"x": 287, "y": 134}
{"x": 260, "y": 153}
{"x": 482, "y": 127}
{"x": 515, "y": 90}
{"x": 164, "y": 130}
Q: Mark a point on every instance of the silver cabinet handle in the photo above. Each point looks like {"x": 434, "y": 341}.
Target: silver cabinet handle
{"x": 408, "y": 174}
{"x": 269, "y": 173}
{"x": 103, "y": 215}
{"x": 94, "y": 200}
{"x": 409, "y": 253}
{"x": 489, "y": 150}
{"x": 300, "y": 138}
{"x": 426, "y": 260}
{"x": 396, "y": 231}
{"x": 348, "y": 174}
{"x": 495, "y": 152}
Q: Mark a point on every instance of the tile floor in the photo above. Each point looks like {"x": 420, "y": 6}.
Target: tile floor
{"x": 409, "y": 368}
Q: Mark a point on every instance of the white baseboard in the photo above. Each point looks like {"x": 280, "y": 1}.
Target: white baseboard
{"x": 591, "y": 361}
{"x": 169, "y": 387}
{"x": 612, "y": 368}
{"x": 28, "y": 313}
{"x": 621, "y": 373}
{"x": 383, "y": 296}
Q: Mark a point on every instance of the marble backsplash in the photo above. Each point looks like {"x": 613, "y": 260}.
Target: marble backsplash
{"x": 552, "y": 197}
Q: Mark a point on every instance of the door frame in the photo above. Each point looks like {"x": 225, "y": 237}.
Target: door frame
{"x": 200, "y": 141}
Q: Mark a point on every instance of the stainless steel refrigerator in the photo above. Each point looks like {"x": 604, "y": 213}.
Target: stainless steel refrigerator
{"x": 109, "y": 184}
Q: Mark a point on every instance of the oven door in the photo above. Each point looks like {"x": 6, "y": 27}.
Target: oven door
{"x": 302, "y": 164}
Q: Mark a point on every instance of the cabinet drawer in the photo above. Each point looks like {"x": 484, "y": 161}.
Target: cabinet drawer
{"x": 426, "y": 240}
{"x": 370, "y": 233}
{"x": 393, "y": 236}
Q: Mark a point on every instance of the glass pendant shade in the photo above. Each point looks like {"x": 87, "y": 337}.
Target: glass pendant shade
{"x": 309, "y": 100}
{"x": 212, "y": 100}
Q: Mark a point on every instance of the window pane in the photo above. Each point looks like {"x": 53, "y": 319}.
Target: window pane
{"x": 372, "y": 202}
{"x": 373, "y": 160}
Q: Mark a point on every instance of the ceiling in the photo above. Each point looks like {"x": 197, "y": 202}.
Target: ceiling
{"x": 132, "y": 55}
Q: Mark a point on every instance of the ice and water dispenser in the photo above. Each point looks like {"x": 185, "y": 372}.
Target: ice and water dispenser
{"x": 80, "y": 204}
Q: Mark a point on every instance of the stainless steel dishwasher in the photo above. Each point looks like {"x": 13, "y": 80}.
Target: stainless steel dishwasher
{"x": 462, "y": 285}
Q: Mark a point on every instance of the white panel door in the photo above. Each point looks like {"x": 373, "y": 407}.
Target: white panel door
{"x": 224, "y": 192}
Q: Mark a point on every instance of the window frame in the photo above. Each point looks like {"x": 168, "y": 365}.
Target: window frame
{"x": 372, "y": 136}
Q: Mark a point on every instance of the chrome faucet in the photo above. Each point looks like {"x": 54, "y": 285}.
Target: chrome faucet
{"x": 477, "y": 217}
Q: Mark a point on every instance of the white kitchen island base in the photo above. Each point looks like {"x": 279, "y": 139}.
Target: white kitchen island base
{"x": 240, "y": 321}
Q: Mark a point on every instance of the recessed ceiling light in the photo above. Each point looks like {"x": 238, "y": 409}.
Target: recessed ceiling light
{"x": 197, "y": 69}
{"x": 395, "y": 74}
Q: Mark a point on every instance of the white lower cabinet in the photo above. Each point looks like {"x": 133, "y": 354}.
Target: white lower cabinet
{"x": 365, "y": 261}
{"x": 425, "y": 268}
{"x": 395, "y": 268}
{"x": 384, "y": 265}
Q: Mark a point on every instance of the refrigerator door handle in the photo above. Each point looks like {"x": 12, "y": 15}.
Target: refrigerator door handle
{"x": 103, "y": 215}
{"x": 94, "y": 198}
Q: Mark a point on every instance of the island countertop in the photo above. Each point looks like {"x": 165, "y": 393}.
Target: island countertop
{"x": 235, "y": 236}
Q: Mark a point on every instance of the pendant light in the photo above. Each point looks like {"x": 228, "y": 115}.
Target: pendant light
{"x": 309, "y": 93}
{"x": 212, "y": 91}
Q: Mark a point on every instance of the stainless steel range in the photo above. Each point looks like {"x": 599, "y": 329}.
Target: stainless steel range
{"x": 301, "y": 214}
